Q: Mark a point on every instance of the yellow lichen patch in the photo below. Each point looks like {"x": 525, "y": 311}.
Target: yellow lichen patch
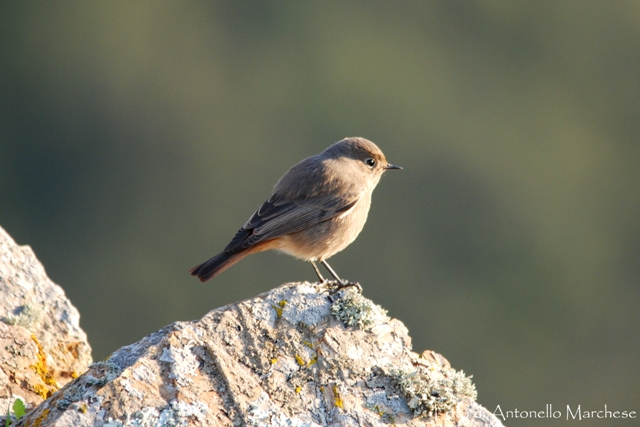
{"x": 300, "y": 361}
{"x": 74, "y": 375}
{"x": 83, "y": 408}
{"x": 308, "y": 344}
{"x": 278, "y": 308}
{"x": 41, "y": 367}
{"x": 298, "y": 389}
{"x": 313, "y": 361}
{"x": 274, "y": 361}
{"x": 43, "y": 391}
{"x": 337, "y": 401}
{"x": 40, "y": 418}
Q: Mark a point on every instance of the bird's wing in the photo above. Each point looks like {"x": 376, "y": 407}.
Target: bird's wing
{"x": 276, "y": 218}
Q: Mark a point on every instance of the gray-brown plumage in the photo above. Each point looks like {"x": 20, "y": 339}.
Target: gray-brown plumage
{"x": 315, "y": 210}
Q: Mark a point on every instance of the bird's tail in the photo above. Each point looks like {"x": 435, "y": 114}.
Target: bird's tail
{"x": 216, "y": 265}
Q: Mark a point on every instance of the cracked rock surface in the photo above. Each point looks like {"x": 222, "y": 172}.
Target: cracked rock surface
{"x": 42, "y": 346}
{"x": 282, "y": 358}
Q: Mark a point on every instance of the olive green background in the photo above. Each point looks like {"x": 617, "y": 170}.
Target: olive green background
{"x": 137, "y": 137}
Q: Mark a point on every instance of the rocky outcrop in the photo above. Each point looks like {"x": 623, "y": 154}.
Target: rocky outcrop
{"x": 294, "y": 356}
{"x": 42, "y": 347}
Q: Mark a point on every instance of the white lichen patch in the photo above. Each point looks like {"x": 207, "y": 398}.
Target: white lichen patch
{"x": 382, "y": 403}
{"x": 183, "y": 363}
{"x": 178, "y": 413}
{"x": 264, "y": 413}
{"x": 432, "y": 389}
{"x": 143, "y": 373}
{"x": 27, "y": 316}
{"x": 355, "y": 310}
{"x": 302, "y": 303}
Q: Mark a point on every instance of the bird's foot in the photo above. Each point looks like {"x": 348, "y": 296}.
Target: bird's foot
{"x": 335, "y": 286}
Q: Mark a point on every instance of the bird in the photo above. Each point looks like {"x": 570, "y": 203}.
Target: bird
{"x": 316, "y": 209}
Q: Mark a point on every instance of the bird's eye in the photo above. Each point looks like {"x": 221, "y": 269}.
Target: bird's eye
{"x": 370, "y": 162}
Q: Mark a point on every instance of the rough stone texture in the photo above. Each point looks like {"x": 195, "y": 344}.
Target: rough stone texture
{"x": 279, "y": 359}
{"x": 42, "y": 346}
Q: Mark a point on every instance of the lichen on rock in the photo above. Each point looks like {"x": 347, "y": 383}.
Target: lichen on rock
{"x": 43, "y": 346}
{"x": 283, "y": 358}
{"x": 353, "y": 309}
{"x": 433, "y": 388}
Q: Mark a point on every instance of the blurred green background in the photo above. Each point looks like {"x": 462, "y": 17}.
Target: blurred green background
{"x": 137, "y": 137}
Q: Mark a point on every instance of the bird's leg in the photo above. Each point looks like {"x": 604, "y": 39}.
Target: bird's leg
{"x": 315, "y": 267}
{"x": 330, "y": 270}
{"x": 341, "y": 283}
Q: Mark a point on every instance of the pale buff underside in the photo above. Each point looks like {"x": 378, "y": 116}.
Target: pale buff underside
{"x": 325, "y": 239}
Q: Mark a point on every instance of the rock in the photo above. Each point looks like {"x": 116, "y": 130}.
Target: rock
{"x": 293, "y": 356}
{"x": 42, "y": 345}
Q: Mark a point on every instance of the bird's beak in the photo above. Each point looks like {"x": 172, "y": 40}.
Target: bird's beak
{"x": 390, "y": 166}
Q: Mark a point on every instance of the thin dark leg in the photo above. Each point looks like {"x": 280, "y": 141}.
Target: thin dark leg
{"x": 330, "y": 270}
{"x": 315, "y": 267}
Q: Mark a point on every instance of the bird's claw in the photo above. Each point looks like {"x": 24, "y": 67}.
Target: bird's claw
{"x": 335, "y": 286}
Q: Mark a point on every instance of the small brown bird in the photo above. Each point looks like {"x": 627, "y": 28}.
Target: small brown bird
{"x": 316, "y": 209}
